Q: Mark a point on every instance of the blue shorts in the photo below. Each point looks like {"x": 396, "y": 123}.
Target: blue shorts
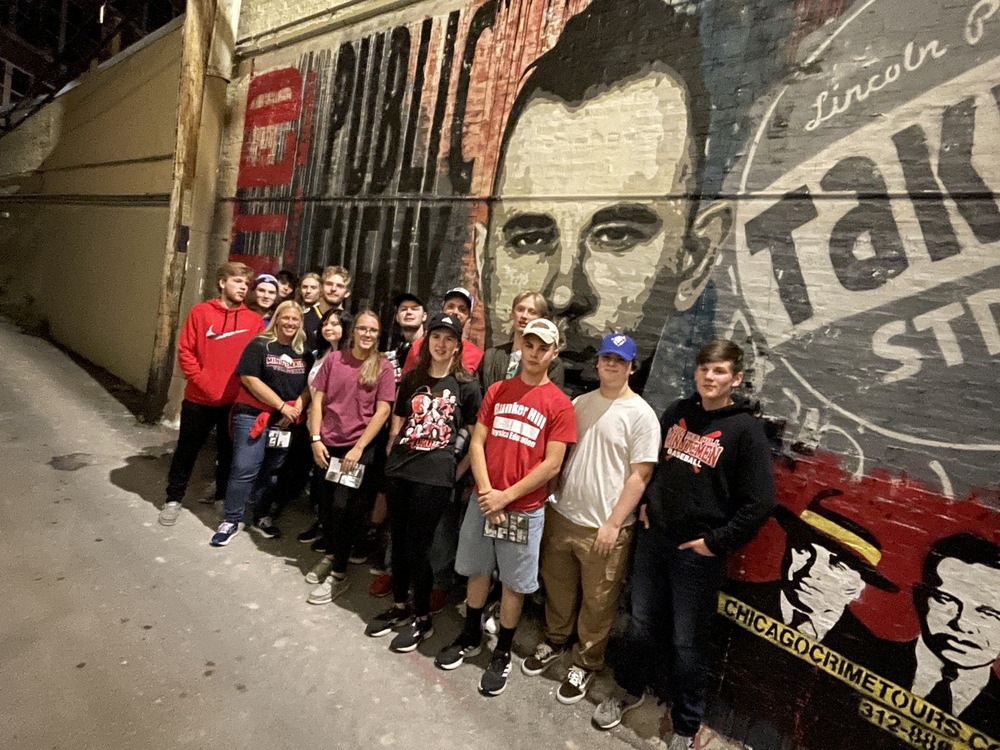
{"x": 479, "y": 555}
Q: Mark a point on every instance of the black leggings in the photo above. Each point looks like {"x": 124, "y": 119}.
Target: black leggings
{"x": 343, "y": 510}
{"x": 414, "y": 512}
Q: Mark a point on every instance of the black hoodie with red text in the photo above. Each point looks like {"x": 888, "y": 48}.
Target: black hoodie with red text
{"x": 713, "y": 480}
{"x": 209, "y": 349}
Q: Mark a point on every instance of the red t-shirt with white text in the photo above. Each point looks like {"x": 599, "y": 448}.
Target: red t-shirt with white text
{"x": 520, "y": 421}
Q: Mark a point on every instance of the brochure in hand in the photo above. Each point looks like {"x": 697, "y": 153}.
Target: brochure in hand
{"x": 351, "y": 479}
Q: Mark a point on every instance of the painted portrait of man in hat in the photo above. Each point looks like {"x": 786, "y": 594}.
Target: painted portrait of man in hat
{"x": 828, "y": 561}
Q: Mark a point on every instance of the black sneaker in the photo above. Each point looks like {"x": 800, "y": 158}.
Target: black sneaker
{"x": 318, "y": 545}
{"x": 363, "y": 548}
{"x": 494, "y": 680}
{"x": 410, "y": 636}
{"x": 455, "y": 655}
{"x": 545, "y": 654}
{"x": 311, "y": 534}
{"x": 383, "y": 623}
{"x": 266, "y": 528}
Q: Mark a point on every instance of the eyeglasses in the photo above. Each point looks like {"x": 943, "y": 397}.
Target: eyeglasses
{"x": 369, "y": 331}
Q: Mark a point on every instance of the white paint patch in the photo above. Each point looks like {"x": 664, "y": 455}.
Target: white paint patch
{"x": 160, "y": 560}
{"x": 252, "y": 605}
{"x": 280, "y": 643}
{"x": 387, "y": 739}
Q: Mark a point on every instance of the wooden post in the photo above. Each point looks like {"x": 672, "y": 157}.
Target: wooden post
{"x": 198, "y": 26}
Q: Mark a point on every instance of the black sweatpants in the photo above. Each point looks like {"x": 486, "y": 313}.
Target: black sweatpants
{"x": 197, "y": 422}
{"x": 343, "y": 510}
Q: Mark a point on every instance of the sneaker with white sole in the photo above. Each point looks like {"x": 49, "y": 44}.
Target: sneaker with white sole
{"x": 383, "y": 623}
{"x": 455, "y": 655}
{"x": 609, "y": 713}
{"x": 538, "y": 662}
{"x": 171, "y": 511}
{"x": 320, "y": 571}
{"x": 574, "y": 687}
{"x": 311, "y": 534}
{"x": 411, "y": 635}
{"x": 224, "y": 534}
{"x": 266, "y": 528}
{"x": 329, "y": 590}
{"x": 494, "y": 680}
{"x": 681, "y": 742}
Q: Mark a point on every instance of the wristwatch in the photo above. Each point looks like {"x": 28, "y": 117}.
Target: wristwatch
{"x": 316, "y": 438}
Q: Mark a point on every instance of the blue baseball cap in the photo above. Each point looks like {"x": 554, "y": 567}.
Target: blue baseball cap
{"x": 620, "y": 344}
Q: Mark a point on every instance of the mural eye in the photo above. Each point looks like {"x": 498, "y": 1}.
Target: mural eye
{"x": 617, "y": 237}
{"x": 532, "y": 240}
{"x": 990, "y": 612}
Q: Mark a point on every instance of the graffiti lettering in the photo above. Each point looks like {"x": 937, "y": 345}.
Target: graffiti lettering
{"x": 975, "y": 25}
{"x": 865, "y": 247}
{"x": 980, "y": 307}
{"x": 860, "y": 92}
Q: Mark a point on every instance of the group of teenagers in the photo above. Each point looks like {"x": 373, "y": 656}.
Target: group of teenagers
{"x": 567, "y": 495}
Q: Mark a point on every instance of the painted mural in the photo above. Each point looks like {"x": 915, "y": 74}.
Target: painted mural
{"x": 816, "y": 179}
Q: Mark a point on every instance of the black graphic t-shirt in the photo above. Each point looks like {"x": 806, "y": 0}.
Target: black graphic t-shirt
{"x": 277, "y": 366}
{"x": 434, "y": 410}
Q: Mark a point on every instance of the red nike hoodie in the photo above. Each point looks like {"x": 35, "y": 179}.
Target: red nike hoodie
{"x": 209, "y": 349}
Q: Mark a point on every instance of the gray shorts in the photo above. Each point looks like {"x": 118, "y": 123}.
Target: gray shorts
{"x": 480, "y": 556}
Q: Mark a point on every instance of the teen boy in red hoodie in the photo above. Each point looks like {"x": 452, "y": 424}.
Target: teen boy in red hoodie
{"x": 210, "y": 346}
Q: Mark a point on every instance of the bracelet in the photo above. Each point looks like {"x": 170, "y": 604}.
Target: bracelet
{"x": 281, "y": 409}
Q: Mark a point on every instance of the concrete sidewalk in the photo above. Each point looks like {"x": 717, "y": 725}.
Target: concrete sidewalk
{"x": 116, "y": 632}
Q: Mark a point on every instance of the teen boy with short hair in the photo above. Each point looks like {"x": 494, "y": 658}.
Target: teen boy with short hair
{"x": 588, "y": 526}
{"x": 333, "y": 295}
{"x": 518, "y": 445}
{"x": 209, "y": 348}
{"x": 711, "y": 492}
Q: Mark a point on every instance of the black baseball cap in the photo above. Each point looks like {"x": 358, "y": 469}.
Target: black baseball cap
{"x": 451, "y": 322}
{"x": 406, "y": 297}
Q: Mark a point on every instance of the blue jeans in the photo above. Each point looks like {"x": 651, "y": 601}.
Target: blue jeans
{"x": 674, "y": 598}
{"x": 254, "y": 472}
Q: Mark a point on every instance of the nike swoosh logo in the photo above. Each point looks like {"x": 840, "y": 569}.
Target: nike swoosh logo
{"x": 210, "y": 334}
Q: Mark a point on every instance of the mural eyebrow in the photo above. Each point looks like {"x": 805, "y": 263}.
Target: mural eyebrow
{"x": 522, "y": 222}
{"x": 632, "y": 212}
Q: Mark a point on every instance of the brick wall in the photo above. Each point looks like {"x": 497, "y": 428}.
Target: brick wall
{"x": 813, "y": 178}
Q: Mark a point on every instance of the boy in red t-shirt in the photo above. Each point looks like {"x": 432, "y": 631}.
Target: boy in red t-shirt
{"x": 520, "y": 439}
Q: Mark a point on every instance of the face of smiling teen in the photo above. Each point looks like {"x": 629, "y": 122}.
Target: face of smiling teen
{"x": 443, "y": 345}
{"x": 266, "y": 294}
{"x": 332, "y": 330}
{"x": 366, "y": 331}
{"x": 289, "y": 323}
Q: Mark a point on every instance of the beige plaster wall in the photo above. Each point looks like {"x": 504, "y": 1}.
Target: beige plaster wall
{"x": 84, "y": 190}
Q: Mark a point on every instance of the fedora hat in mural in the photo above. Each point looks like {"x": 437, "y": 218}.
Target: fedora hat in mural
{"x": 837, "y": 532}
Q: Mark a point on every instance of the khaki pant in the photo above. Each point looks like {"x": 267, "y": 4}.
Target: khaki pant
{"x": 581, "y": 587}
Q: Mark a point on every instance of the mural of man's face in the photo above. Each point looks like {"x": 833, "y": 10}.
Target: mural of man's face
{"x": 959, "y": 626}
{"x": 821, "y": 582}
{"x": 592, "y": 212}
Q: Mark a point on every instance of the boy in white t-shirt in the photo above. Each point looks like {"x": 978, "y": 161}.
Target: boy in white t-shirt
{"x": 588, "y": 529}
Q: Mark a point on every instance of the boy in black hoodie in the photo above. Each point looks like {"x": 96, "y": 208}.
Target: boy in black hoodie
{"x": 711, "y": 492}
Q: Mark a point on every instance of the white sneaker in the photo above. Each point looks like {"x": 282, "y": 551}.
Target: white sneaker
{"x": 320, "y": 571}
{"x": 609, "y": 713}
{"x": 168, "y": 516}
{"x": 329, "y": 590}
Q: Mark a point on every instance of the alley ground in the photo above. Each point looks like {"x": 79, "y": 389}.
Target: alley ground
{"x": 116, "y": 632}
